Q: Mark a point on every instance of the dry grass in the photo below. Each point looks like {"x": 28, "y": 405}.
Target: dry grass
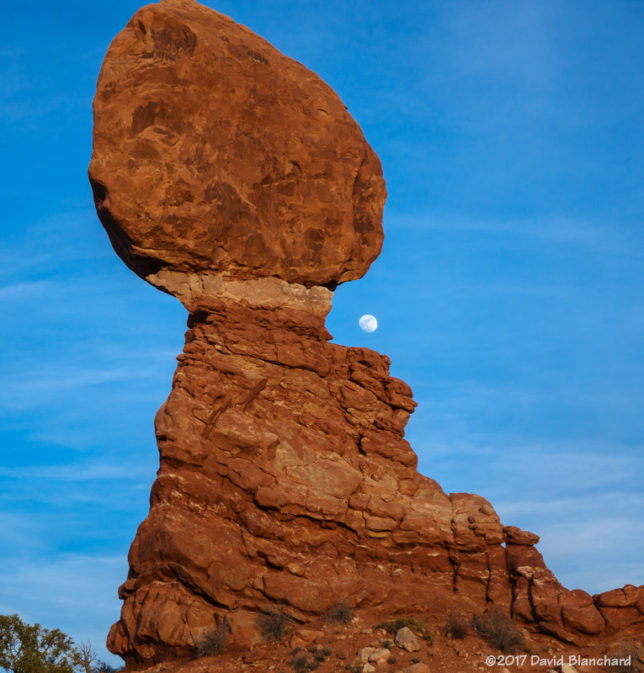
{"x": 303, "y": 662}
{"x": 500, "y": 631}
{"x": 213, "y": 642}
{"x": 340, "y": 613}
{"x": 457, "y": 626}
{"x": 273, "y": 625}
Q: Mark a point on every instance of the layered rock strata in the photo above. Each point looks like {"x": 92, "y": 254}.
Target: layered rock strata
{"x": 285, "y": 481}
{"x": 233, "y": 178}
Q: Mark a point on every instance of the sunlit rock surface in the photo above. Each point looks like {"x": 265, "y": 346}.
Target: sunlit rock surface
{"x": 232, "y": 177}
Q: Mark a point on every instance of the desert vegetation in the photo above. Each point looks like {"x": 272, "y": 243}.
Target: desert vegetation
{"x": 214, "y": 641}
{"x": 274, "y": 625}
{"x": 417, "y": 625}
{"x": 340, "y": 613}
{"x": 500, "y": 631}
{"x": 456, "y": 626}
{"x": 31, "y": 648}
{"x": 303, "y": 661}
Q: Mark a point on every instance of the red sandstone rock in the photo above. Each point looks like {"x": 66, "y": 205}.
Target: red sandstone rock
{"x": 215, "y": 152}
{"x": 579, "y": 613}
{"x": 619, "y": 598}
{"x": 233, "y": 178}
{"x": 515, "y": 535}
{"x": 266, "y": 497}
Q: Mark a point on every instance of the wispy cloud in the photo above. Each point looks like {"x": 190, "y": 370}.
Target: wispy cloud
{"x": 20, "y": 532}
{"x": 589, "y": 543}
{"x": 583, "y": 498}
{"x": 514, "y": 41}
{"x": 26, "y": 290}
{"x": 607, "y": 237}
{"x": 79, "y": 472}
{"x": 39, "y": 248}
{"x": 44, "y": 387}
{"x": 573, "y": 465}
{"x": 27, "y": 110}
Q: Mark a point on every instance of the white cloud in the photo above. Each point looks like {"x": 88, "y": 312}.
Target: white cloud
{"x": 78, "y": 472}
{"x": 26, "y": 290}
{"x": 605, "y": 237}
{"x": 583, "y": 499}
{"x": 21, "y": 393}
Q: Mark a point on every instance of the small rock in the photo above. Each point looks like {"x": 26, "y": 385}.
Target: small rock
{"x": 416, "y": 668}
{"x": 567, "y": 668}
{"x": 363, "y": 654}
{"x": 296, "y": 641}
{"x": 406, "y": 640}
{"x": 309, "y": 635}
{"x": 379, "y": 655}
{"x": 368, "y": 668}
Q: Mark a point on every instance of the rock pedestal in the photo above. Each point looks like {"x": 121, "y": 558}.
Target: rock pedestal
{"x": 233, "y": 178}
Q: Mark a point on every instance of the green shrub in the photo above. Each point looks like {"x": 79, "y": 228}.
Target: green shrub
{"x": 27, "y": 648}
{"x": 410, "y": 622}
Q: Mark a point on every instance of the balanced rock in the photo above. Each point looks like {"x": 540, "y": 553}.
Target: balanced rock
{"x": 232, "y": 177}
{"x": 215, "y": 152}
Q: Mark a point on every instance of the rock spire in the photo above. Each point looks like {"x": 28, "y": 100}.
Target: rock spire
{"x": 232, "y": 177}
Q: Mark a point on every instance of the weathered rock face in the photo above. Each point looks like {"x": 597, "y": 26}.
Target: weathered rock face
{"x": 232, "y": 177}
{"x": 215, "y": 152}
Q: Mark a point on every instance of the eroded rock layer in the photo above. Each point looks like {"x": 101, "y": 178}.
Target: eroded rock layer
{"x": 285, "y": 481}
{"x": 233, "y": 178}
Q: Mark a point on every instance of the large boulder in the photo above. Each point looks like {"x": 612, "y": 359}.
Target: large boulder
{"x": 215, "y": 152}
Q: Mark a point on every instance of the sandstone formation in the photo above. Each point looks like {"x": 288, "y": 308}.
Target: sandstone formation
{"x": 232, "y": 177}
{"x": 215, "y": 152}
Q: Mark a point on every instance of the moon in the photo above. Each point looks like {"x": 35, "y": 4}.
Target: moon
{"x": 368, "y": 323}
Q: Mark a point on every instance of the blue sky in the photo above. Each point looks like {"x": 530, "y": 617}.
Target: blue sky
{"x": 510, "y": 292}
